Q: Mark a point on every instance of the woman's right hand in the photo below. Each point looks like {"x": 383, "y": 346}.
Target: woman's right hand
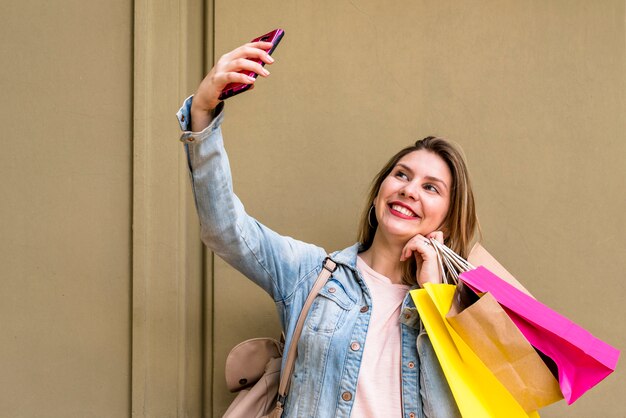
{"x": 425, "y": 257}
{"x": 226, "y": 71}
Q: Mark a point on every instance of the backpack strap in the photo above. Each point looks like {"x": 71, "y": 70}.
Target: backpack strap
{"x": 329, "y": 267}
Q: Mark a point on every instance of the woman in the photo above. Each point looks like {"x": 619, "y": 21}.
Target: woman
{"x": 357, "y": 355}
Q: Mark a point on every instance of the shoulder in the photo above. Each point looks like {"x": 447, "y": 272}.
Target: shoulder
{"x": 347, "y": 256}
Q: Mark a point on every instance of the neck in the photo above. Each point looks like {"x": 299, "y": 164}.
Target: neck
{"x": 384, "y": 258}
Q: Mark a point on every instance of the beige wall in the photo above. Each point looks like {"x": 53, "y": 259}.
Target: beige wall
{"x": 101, "y": 296}
{"x": 108, "y": 305}
{"x": 533, "y": 90}
{"x": 65, "y": 216}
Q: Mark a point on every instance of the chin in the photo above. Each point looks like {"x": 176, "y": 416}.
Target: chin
{"x": 403, "y": 228}
{"x": 398, "y": 235}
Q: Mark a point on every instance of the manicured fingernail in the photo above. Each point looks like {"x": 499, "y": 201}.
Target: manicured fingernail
{"x": 266, "y": 72}
{"x": 251, "y": 78}
{"x": 270, "y": 59}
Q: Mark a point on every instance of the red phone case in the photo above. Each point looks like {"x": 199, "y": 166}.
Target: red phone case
{"x": 235, "y": 88}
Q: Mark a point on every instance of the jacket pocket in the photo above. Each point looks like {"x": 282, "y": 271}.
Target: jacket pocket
{"x": 329, "y": 308}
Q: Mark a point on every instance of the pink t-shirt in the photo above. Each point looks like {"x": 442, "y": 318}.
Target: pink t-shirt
{"x": 378, "y": 390}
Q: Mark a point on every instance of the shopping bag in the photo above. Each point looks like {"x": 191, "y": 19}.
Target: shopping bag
{"x": 492, "y": 335}
{"x": 582, "y": 359}
{"x": 487, "y": 329}
{"x": 476, "y": 390}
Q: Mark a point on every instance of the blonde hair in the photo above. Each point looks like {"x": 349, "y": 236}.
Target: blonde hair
{"x": 460, "y": 226}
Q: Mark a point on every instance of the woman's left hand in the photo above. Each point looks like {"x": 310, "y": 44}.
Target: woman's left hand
{"x": 425, "y": 257}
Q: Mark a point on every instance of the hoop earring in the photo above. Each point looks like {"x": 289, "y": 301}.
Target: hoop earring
{"x": 369, "y": 216}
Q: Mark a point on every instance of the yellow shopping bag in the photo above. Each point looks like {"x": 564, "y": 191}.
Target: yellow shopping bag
{"x": 476, "y": 390}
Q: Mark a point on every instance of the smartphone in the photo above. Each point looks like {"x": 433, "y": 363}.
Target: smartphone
{"x": 235, "y": 88}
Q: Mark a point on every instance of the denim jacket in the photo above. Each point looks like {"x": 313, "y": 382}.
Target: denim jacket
{"x": 327, "y": 367}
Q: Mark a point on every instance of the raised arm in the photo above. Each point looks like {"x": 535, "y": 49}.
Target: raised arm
{"x": 275, "y": 262}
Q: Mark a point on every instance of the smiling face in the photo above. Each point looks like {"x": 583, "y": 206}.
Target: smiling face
{"x": 414, "y": 198}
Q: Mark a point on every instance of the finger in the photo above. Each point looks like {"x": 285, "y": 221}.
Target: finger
{"x": 250, "y": 52}
{"x": 418, "y": 244}
{"x": 243, "y": 64}
{"x": 261, "y": 45}
{"x": 425, "y": 249}
{"x": 437, "y": 235}
{"x": 403, "y": 252}
{"x": 406, "y": 251}
{"x": 232, "y": 77}
{"x": 266, "y": 47}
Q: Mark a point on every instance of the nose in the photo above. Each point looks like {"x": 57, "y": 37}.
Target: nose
{"x": 410, "y": 191}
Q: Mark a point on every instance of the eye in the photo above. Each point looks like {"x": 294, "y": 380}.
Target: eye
{"x": 431, "y": 188}
{"x": 401, "y": 175}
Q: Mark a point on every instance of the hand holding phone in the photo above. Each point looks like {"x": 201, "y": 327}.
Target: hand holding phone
{"x": 233, "y": 73}
{"x": 233, "y": 89}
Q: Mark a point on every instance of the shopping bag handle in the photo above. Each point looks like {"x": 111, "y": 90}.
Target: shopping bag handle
{"x": 450, "y": 263}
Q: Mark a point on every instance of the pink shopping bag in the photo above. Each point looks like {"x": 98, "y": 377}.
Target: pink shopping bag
{"x": 582, "y": 359}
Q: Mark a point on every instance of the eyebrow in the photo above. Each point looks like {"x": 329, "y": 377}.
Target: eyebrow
{"x": 430, "y": 178}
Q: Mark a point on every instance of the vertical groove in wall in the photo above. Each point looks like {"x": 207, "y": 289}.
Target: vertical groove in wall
{"x": 212, "y": 360}
{"x": 207, "y": 305}
{"x": 132, "y": 194}
{"x": 209, "y": 58}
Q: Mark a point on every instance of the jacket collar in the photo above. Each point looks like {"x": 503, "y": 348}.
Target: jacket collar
{"x": 347, "y": 256}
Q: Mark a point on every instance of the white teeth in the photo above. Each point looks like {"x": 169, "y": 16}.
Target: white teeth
{"x": 403, "y": 210}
